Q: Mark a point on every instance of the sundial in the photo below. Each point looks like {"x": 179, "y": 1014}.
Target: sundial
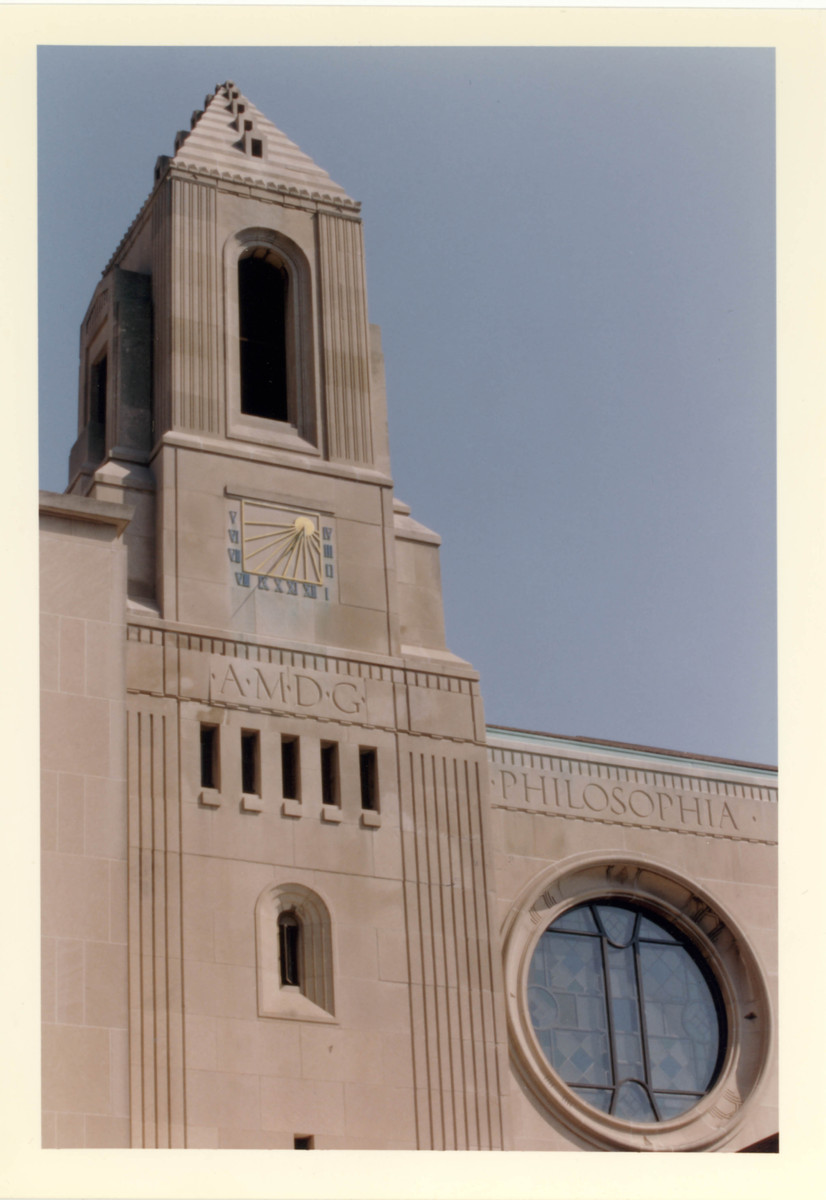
{"x": 281, "y": 549}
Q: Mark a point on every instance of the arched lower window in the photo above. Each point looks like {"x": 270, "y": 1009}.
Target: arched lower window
{"x": 626, "y": 1012}
{"x": 294, "y": 954}
{"x": 289, "y": 949}
{"x": 263, "y": 296}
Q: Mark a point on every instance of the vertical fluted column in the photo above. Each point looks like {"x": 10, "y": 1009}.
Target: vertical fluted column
{"x": 155, "y": 948}
{"x": 345, "y": 347}
{"x": 194, "y": 325}
{"x": 458, "y": 1034}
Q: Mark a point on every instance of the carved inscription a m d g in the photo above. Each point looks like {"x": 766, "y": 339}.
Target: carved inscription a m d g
{"x": 286, "y": 689}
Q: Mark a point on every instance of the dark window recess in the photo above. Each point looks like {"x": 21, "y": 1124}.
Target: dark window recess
{"x": 329, "y": 773}
{"x": 209, "y": 756}
{"x": 97, "y": 393}
{"x": 289, "y": 768}
{"x": 289, "y": 949}
{"x": 369, "y": 779}
{"x": 250, "y": 761}
{"x": 303, "y": 1143}
{"x": 257, "y": 148}
{"x": 247, "y": 126}
{"x": 262, "y": 300}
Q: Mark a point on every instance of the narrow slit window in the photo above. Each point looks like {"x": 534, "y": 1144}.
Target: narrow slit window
{"x": 262, "y": 299}
{"x": 368, "y": 773}
{"x": 209, "y": 756}
{"x": 289, "y": 768}
{"x": 303, "y": 1142}
{"x": 97, "y": 393}
{"x": 257, "y": 148}
{"x": 250, "y": 762}
{"x": 289, "y": 949}
{"x": 330, "y": 793}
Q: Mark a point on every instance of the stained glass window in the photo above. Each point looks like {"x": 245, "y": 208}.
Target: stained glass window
{"x": 625, "y": 1011}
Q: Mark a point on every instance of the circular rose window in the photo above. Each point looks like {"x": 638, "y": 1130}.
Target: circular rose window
{"x": 626, "y": 1012}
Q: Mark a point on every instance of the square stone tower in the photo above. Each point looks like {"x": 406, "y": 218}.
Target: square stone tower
{"x": 307, "y": 881}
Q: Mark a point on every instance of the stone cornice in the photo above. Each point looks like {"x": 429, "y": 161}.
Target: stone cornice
{"x": 301, "y": 197}
{"x": 535, "y": 742}
{"x": 429, "y": 674}
{"x": 81, "y": 508}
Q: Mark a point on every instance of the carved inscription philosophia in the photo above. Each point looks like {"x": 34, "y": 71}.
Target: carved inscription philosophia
{"x": 285, "y": 689}
{"x": 608, "y": 800}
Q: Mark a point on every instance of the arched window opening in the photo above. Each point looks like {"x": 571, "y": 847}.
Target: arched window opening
{"x": 289, "y": 949}
{"x": 263, "y": 287}
{"x": 294, "y": 954}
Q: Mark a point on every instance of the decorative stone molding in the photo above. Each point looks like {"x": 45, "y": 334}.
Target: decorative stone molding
{"x": 360, "y": 668}
{"x": 718, "y": 940}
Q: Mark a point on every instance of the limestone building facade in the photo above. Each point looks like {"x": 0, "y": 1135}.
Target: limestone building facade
{"x": 295, "y": 893}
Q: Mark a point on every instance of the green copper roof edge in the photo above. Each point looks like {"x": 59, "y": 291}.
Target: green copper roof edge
{"x": 576, "y": 744}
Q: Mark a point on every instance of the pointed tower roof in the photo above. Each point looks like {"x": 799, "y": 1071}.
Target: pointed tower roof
{"x": 221, "y": 142}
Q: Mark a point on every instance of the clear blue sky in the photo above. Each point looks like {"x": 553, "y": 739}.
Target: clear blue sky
{"x": 571, "y": 255}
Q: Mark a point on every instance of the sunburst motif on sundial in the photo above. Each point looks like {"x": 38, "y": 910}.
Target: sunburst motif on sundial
{"x": 281, "y": 549}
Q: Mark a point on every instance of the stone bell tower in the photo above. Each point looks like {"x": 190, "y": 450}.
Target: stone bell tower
{"x": 310, "y": 943}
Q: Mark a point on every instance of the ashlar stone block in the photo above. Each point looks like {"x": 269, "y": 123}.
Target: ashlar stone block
{"x": 76, "y": 1069}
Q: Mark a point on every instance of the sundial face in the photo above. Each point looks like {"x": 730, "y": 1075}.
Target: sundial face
{"x": 279, "y": 545}
{"x": 281, "y": 550}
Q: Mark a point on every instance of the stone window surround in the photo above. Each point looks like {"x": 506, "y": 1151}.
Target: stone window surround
{"x": 698, "y": 916}
{"x": 302, "y": 431}
{"x": 313, "y": 999}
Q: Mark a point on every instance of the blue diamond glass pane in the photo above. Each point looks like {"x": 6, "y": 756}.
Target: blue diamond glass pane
{"x": 572, "y": 964}
{"x": 543, "y": 1008}
{"x": 632, "y": 1103}
{"x": 581, "y": 1057}
{"x": 617, "y": 922}
{"x": 567, "y": 1008}
{"x": 577, "y": 920}
{"x": 599, "y": 1097}
{"x": 654, "y": 932}
{"x": 681, "y": 1018}
{"x": 623, "y": 981}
